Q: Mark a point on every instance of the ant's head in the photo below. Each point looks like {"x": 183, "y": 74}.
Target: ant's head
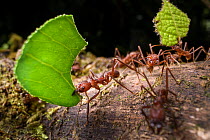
{"x": 152, "y": 59}
{"x": 157, "y": 116}
{"x": 157, "y": 126}
{"x": 153, "y": 62}
{"x": 83, "y": 87}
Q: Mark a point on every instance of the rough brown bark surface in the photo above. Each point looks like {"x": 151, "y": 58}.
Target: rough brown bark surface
{"x": 115, "y": 114}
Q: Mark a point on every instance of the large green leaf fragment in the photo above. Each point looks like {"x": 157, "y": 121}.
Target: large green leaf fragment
{"x": 44, "y": 67}
{"x": 171, "y": 24}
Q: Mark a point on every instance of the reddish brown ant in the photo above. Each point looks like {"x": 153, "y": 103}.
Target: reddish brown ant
{"x": 157, "y": 113}
{"x": 127, "y": 59}
{"x": 151, "y": 60}
{"x": 187, "y": 54}
{"x": 94, "y": 81}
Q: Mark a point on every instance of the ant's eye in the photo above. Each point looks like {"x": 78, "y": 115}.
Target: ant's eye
{"x": 152, "y": 124}
{"x": 150, "y": 61}
{"x": 159, "y": 126}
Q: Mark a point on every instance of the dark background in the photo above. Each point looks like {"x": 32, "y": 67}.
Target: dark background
{"x": 105, "y": 24}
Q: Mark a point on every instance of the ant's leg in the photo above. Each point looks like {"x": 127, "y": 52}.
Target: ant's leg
{"x": 117, "y": 53}
{"x": 136, "y": 70}
{"x": 93, "y": 75}
{"x": 129, "y": 66}
{"x": 166, "y": 51}
{"x": 114, "y": 65}
{"x": 113, "y": 68}
{"x": 148, "y": 83}
{"x": 88, "y": 104}
{"x": 162, "y": 71}
{"x": 146, "y": 117}
{"x": 150, "y": 46}
{"x": 193, "y": 53}
{"x": 142, "y": 87}
{"x": 167, "y": 79}
{"x": 167, "y": 57}
{"x": 123, "y": 86}
{"x": 131, "y": 69}
{"x": 173, "y": 94}
{"x": 167, "y": 89}
{"x": 201, "y": 49}
{"x": 168, "y": 70}
{"x": 95, "y": 95}
{"x": 185, "y": 46}
{"x": 150, "y": 69}
{"x": 159, "y": 53}
{"x": 139, "y": 62}
{"x": 164, "y": 61}
{"x": 87, "y": 108}
{"x": 207, "y": 57}
{"x": 142, "y": 56}
{"x": 173, "y": 59}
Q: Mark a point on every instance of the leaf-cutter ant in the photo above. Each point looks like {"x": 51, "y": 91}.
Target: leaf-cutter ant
{"x": 93, "y": 82}
{"x": 157, "y": 113}
{"x": 150, "y": 60}
{"x": 187, "y": 54}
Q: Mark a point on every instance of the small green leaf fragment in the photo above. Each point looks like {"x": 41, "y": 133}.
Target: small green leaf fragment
{"x": 47, "y": 57}
{"x": 171, "y": 24}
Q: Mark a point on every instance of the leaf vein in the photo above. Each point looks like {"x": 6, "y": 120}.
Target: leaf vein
{"x": 52, "y": 39}
{"x": 48, "y": 65}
